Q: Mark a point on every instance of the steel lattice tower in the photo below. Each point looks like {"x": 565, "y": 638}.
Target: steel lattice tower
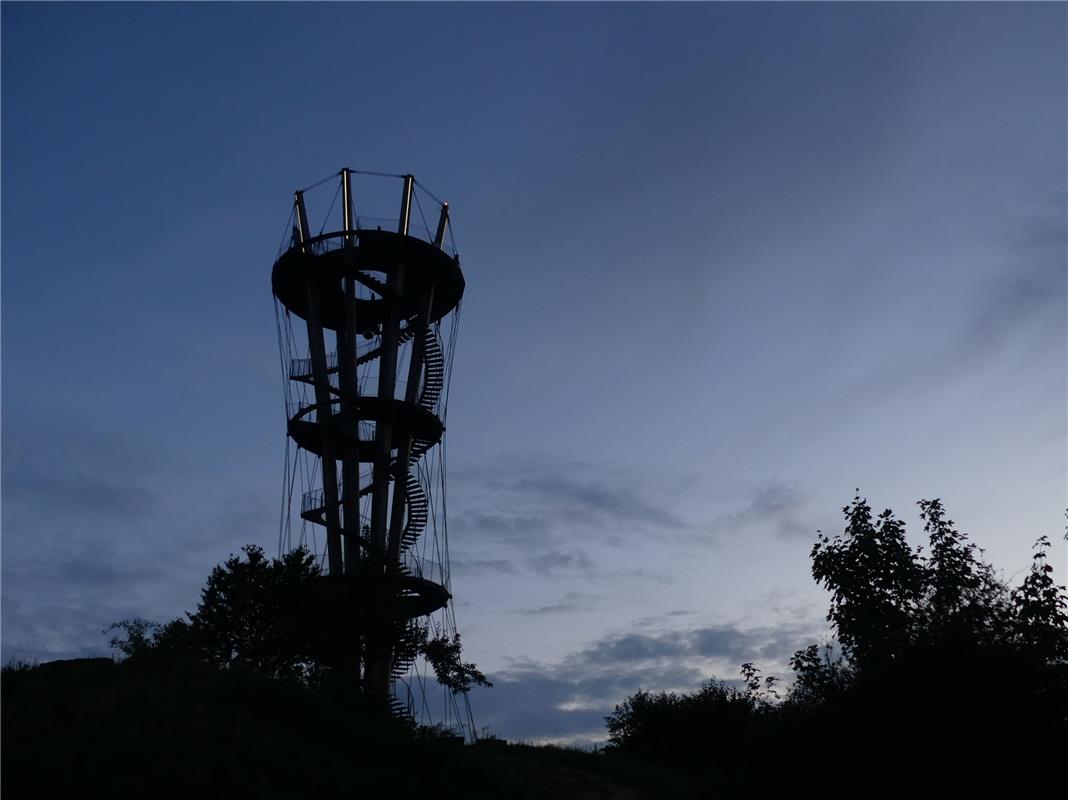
{"x": 367, "y": 415}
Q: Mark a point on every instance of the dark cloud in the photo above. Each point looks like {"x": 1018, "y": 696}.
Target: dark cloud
{"x": 538, "y": 508}
{"x": 66, "y": 470}
{"x": 724, "y": 642}
{"x": 77, "y": 494}
{"x": 634, "y": 647}
{"x": 526, "y": 503}
{"x": 569, "y": 700}
{"x": 57, "y": 605}
{"x": 596, "y": 502}
{"x": 527, "y": 705}
{"x": 534, "y": 702}
{"x": 98, "y": 528}
{"x": 518, "y": 530}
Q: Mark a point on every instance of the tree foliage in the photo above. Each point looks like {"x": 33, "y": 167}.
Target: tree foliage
{"x": 443, "y": 653}
{"x": 254, "y": 617}
{"x": 249, "y": 619}
{"x": 677, "y": 727}
{"x": 875, "y": 580}
{"x": 1038, "y": 611}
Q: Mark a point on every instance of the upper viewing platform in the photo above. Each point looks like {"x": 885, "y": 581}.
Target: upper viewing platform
{"x": 403, "y": 269}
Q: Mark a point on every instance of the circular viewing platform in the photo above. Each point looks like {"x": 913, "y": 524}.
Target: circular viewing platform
{"x": 307, "y": 427}
{"x": 326, "y": 260}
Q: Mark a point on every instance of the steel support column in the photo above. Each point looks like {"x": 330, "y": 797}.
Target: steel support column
{"x": 346, "y": 352}
{"x": 321, "y": 384}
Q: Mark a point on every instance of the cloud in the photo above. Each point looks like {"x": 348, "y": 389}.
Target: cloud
{"x": 709, "y": 642}
{"x": 524, "y": 502}
{"x": 58, "y": 604}
{"x": 660, "y": 620}
{"x": 572, "y": 601}
{"x": 537, "y": 508}
{"x": 592, "y": 501}
{"x": 74, "y": 472}
{"x": 649, "y": 575}
{"x": 774, "y": 507}
{"x": 1044, "y": 228}
{"x": 1011, "y": 308}
{"x": 97, "y": 528}
{"x": 547, "y": 703}
{"x": 1031, "y": 286}
{"x": 517, "y": 530}
{"x": 77, "y": 494}
{"x": 633, "y": 647}
{"x": 554, "y": 563}
{"x": 480, "y": 566}
{"x": 568, "y": 701}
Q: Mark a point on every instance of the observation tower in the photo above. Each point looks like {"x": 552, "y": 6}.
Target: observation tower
{"x": 367, "y": 310}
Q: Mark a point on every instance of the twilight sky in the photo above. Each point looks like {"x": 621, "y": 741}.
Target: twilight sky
{"x": 725, "y": 264}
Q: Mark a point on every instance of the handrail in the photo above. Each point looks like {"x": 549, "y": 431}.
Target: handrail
{"x": 302, "y": 367}
{"x": 355, "y": 232}
{"x": 424, "y": 568}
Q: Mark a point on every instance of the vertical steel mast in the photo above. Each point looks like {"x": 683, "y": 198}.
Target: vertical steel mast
{"x": 370, "y": 413}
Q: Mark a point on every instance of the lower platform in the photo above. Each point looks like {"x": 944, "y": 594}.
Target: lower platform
{"x": 338, "y": 611}
{"x": 308, "y": 427}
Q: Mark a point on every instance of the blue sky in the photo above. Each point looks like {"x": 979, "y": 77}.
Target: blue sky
{"x": 725, "y": 264}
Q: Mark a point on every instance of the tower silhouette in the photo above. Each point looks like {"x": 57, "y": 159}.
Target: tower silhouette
{"x": 366, "y": 417}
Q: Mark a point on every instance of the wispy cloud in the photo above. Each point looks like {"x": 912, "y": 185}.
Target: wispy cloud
{"x": 525, "y": 502}
{"x": 529, "y": 512}
{"x": 774, "y": 506}
{"x": 572, "y": 601}
{"x": 483, "y": 566}
{"x": 1012, "y": 305}
{"x": 561, "y": 562}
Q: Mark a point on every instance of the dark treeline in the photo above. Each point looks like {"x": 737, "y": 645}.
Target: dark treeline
{"x": 944, "y": 681}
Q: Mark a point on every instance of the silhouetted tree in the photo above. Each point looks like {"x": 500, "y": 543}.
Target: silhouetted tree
{"x": 145, "y": 641}
{"x": 248, "y": 616}
{"x": 444, "y": 656}
{"x": 254, "y": 616}
{"x": 962, "y": 595}
{"x": 818, "y": 676}
{"x": 876, "y": 583}
{"x": 138, "y": 639}
{"x": 1038, "y": 605}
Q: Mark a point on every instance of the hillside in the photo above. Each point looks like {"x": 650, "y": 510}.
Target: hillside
{"x": 92, "y": 725}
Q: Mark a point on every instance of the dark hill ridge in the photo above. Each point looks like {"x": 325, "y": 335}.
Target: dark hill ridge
{"x": 96, "y": 726}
